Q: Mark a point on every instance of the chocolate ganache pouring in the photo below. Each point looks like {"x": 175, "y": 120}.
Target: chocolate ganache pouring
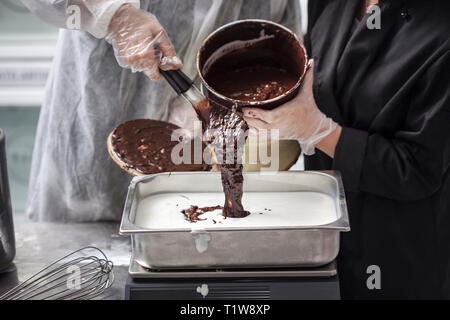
{"x": 229, "y": 128}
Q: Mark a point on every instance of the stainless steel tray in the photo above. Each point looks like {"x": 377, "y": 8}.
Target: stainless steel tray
{"x": 234, "y": 244}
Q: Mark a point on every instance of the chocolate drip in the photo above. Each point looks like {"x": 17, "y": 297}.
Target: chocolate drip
{"x": 229, "y": 128}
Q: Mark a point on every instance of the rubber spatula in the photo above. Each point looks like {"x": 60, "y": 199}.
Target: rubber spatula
{"x": 185, "y": 87}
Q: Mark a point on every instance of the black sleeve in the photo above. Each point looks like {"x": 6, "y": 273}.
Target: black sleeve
{"x": 315, "y": 8}
{"x": 411, "y": 164}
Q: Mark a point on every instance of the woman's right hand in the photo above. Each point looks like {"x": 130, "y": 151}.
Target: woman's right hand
{"x": 141, "y": 43}
{"x": 298, "y": 119}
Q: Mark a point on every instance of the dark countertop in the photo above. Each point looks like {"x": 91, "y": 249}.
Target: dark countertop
{"x": 40, "y": 243}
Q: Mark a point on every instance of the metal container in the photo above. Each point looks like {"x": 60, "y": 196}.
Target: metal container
{"x": 263, "y": 41}
{"x": 262, "y": 246}
{"x": 7, "y": 243}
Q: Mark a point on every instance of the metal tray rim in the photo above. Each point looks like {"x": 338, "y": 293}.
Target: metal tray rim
{"x": 341, "y": 224}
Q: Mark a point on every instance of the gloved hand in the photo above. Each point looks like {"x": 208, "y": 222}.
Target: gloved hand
{"x": 299, "y": 119}
{"x": 140, "y": 42}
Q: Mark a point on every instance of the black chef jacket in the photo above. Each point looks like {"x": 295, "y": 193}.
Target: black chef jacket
{"x": 389, "y": 90}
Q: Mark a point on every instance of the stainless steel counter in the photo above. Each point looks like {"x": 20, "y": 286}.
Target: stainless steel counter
{"x": 39, "y": 244}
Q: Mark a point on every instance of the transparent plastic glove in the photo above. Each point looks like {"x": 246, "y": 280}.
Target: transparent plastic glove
{"x": 140, "y": 42}
{"x": 299, "y": 119}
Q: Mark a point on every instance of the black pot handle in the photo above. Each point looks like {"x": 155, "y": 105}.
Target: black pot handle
{"x": 179, "y": 81}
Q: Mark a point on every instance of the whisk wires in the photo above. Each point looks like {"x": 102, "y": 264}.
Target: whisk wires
{"x": 76, "y": 276}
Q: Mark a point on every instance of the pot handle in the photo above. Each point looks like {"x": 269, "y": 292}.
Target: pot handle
{"x": 178, "y": 80}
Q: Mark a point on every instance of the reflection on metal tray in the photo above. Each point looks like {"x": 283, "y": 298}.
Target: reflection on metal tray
{"x": 137, "y": 271}
{"x": 308, "y": 211}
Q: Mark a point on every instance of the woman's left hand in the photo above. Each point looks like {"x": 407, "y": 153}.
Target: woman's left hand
{"x": 299, "y": 119}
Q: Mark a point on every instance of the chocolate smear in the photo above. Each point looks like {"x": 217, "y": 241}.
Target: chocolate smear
{"x": 194, "y": 212}
{"x": 253, "y": 83}
{"x": 146, "y": 146}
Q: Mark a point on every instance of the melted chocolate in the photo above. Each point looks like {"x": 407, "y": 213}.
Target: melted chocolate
{"x": 255, "y": 79}
{"x": 194, "y": 212}
{"x": 230, "y": 125}
{"x": 145, "y": 145}
{"x": 253, "y": 83}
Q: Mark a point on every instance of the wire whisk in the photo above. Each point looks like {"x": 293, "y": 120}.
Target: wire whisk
{"x": 81, "y": 275}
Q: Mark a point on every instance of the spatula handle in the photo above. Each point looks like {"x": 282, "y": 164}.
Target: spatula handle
{"x": 177, "y": 80}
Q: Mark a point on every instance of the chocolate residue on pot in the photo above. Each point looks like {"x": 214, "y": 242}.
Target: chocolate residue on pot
{"x": 252, "y": 83}
{"x": 194, "y": 212}
{"x": 145, "y": 145}
{"x": 232, "y": 129}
